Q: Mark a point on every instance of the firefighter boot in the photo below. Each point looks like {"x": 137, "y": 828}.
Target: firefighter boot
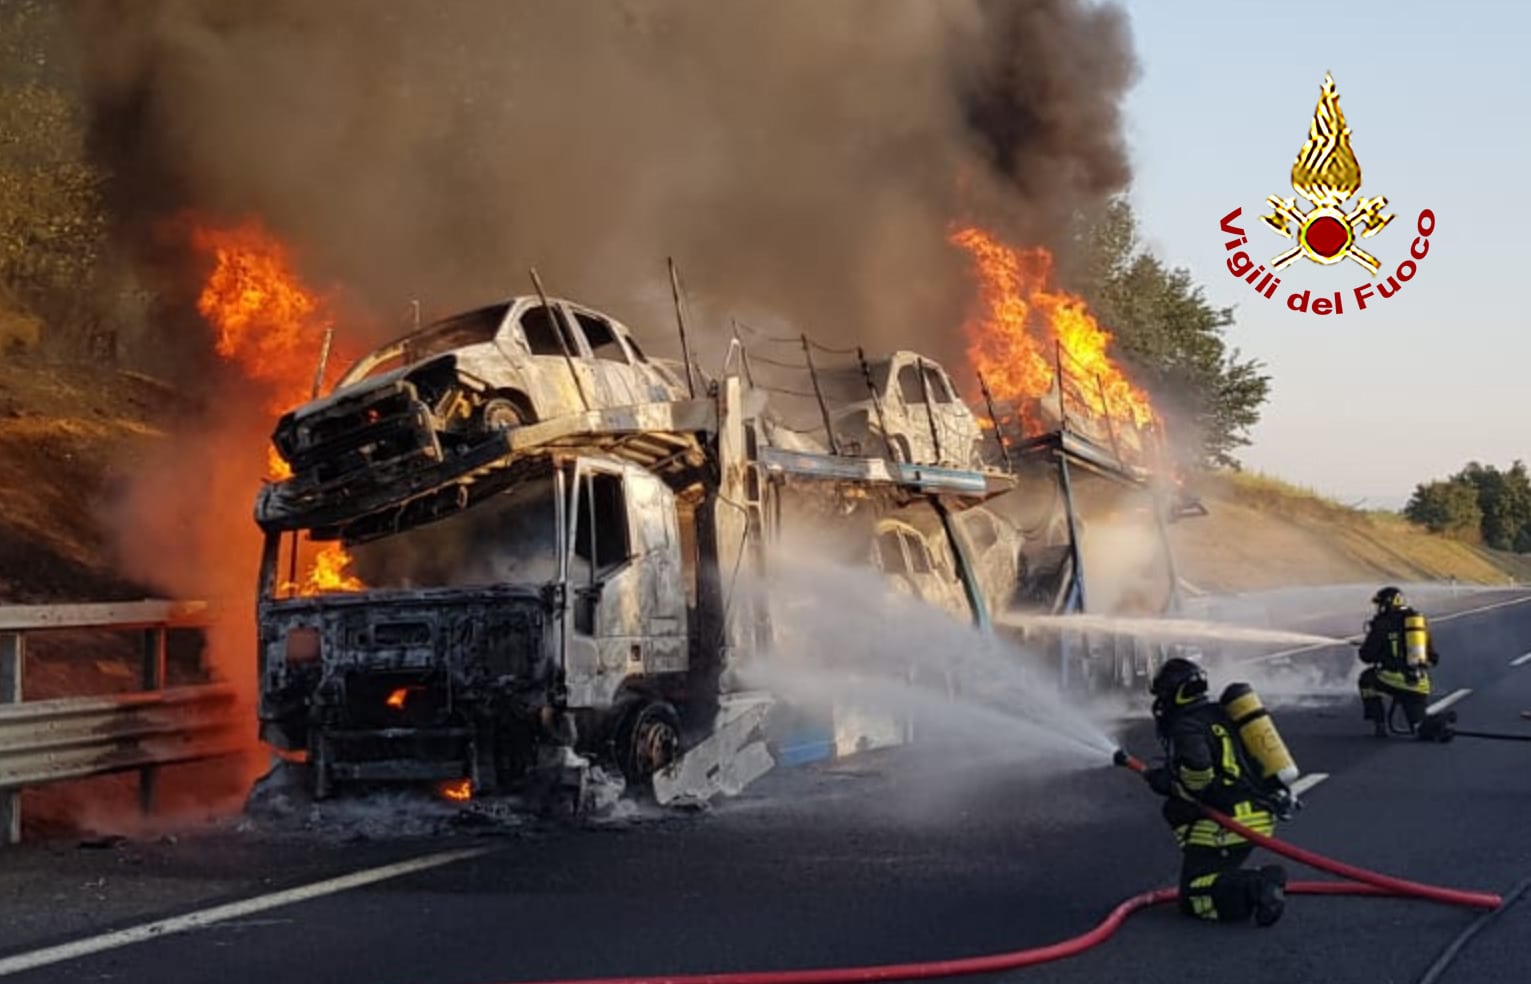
{"x": 1270, "y": 895}
{"x": 1372, "y": 709}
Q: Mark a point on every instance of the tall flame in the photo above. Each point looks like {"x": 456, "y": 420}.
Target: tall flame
{"x": 1019, "y": 326}
{"x": 272, "y": 327}
{"x": 268, "y": 322}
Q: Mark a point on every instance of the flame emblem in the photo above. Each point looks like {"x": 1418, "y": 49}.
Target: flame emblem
{"x": 1327, "y": 174}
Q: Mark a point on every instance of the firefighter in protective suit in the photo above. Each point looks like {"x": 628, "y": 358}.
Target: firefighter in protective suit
{"x": 1205, "y": 762}
{"x": 1398, "y": 652}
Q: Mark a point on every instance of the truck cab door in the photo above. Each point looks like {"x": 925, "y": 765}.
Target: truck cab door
{"x": 627, "y": 605}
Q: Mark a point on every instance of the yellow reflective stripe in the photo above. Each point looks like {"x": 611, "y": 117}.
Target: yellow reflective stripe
{"x": 1196, "y": 778}
{"x": 1205, "y": 881}
{"x": 1398, "y": 681}
{"x": 1230, "y": 754}
{"x": 1205, "y": 833}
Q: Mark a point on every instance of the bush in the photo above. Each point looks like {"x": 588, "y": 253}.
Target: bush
{"x": 1449, "y": 507}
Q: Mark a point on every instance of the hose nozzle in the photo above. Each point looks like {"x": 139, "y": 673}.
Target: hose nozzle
{"x": 1127, "y": 761}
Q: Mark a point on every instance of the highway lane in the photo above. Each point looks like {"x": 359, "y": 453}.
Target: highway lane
{"x": 908, "y": 854}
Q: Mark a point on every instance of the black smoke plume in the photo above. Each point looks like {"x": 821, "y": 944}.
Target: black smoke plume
{"x": 802, "y": 160}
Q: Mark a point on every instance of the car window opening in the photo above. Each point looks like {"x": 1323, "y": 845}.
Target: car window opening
{"x": 919, "y": 558}
{"x": 542, "y": 334}
{"x": 603, "y": 340}
{"x": 939, "y": 392}
{"x": 890, "y": 552}
{"x": 909, "y": 385}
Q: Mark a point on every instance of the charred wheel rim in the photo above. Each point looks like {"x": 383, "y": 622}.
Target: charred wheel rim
{"x": 651, "y": 741}
{"x": 499, "y": 414}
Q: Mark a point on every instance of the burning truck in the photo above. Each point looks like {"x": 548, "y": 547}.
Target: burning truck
{"x": 530, "y": 594}
{"x": 510, "y": 545}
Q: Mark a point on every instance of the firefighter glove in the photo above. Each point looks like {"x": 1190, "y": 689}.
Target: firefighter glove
{"x": 1160, "y": 780}
{"x": 1284, "y": 804}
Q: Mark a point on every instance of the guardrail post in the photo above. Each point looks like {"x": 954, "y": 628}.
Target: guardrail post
{"x": 153, "y": 679}
{"x": 13, "y": 653}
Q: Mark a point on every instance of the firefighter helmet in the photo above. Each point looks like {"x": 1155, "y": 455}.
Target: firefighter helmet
{"x": 1179, "y": 680}
{"x": 1388, "y": 598}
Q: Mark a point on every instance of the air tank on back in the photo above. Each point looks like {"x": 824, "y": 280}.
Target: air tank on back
{"x": 1258, "y": 732}
{"x": 1416, "y": 648}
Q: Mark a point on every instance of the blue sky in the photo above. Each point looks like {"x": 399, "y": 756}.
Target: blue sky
{"x": 1364, "y": 404}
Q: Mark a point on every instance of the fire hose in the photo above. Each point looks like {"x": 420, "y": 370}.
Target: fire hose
{"x": 1386, "y": 883}
{"x": 1361, "y": 882}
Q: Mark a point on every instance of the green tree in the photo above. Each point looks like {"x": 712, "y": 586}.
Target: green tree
{"x": 1447, "y": 506}
{"x": 1170, "y": 336}
{"x": 1505, "y": 499}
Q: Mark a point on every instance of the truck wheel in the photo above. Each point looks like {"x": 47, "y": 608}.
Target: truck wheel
{"x": 647, "y": 740}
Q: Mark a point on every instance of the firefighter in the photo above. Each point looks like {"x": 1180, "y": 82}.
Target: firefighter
{"x": 1398, "y": 651}
{"x": 1206, "y": 763}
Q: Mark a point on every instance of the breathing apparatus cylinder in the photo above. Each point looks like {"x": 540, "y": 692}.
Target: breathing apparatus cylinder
{"x": 1258, "y": 732}
{"x": 1416, "y": 649}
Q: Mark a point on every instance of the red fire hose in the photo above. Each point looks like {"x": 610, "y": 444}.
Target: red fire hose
{"x": 962, "y": 966}
{"x": 1363, "y": 882}
{"x": 1387, "y": 883}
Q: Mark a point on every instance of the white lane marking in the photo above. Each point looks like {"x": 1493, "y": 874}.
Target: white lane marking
{"x": 1357, "y": 638}
{"x": 221, "y": 913}
{"x": 1521, "y": 660}
{"x": 1447, "y": 701}
{"x": 1307, "y": 782}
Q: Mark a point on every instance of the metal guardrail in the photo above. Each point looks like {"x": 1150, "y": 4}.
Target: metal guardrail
{"x": 50, "y": 741}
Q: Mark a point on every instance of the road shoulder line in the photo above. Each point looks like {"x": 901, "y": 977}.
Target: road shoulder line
{"x": 230, "y": 910}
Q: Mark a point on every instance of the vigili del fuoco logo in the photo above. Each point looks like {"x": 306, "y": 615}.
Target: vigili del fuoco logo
{"x": 1323, "y": 229}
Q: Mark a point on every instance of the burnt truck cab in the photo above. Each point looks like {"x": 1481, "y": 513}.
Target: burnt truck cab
{"x": 551, "y": 619}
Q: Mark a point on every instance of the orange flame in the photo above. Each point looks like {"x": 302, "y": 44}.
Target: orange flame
{"x": 269, "y": 323}
{"x": 397, "y": 698}
{"x": 456, "y": 790}
{"x": 272, "y": 326}
{"x": 331, "y": 571}
{"x": 1013, "y": 338}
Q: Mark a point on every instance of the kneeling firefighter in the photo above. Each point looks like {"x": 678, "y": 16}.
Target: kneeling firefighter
{"x": 1399, "y": 652}
{"x": 1211, "y": 758}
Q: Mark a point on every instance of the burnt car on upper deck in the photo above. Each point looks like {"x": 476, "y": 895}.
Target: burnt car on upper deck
{"x": 448, "y": 389}
{"x": 904, "y": 406}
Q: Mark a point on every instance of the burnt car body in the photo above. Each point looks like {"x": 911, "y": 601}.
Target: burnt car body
{"x": 438, "y": 398}
{"x": 915, "y": 415}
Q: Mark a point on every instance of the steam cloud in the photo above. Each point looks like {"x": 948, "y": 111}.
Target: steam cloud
{"x": 800, "y": 159}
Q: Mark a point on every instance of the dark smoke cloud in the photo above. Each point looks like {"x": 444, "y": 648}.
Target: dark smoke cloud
{"x": 801, "y": 159}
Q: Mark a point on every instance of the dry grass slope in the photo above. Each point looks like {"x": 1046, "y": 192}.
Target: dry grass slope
{"x": 1266, "y": 533}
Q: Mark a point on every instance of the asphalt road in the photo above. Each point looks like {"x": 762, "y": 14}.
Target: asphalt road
{"x": 907, "y": 854}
